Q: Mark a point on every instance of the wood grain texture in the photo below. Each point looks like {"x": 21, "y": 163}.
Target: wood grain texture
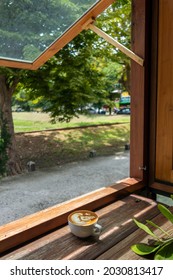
{"x": 122, "y": 250}
{"x": 162, "y": 187}
{"x": 116, "y": 44}
{"x": 31, "y": 226}
{"x": 164, "y": 143}
{"x": 116, "y": 219}
{"x": 137, "y": 90}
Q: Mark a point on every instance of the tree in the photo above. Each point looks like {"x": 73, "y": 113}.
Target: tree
{"x": 4, "y": 144}
{"x": 89, "y": 57}
{"x": 8, "y": 82}
{"x": 23, "y": 39}
{"x": 69, "y": 81}
{"x": 66, "y": 83}
{"x": 46, "y": 21}
{"x": 116, "y": 21}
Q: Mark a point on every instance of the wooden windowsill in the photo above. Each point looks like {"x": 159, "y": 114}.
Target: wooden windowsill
{"x": 117, "y": 223}
{"x": 32, "y": 226}
{"x": 162, "y": 187}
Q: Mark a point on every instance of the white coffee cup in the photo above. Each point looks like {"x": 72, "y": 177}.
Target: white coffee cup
{"x": 83, "y": 223}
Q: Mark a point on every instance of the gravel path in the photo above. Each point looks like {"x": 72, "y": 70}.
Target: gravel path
{"x": 31, "y": 192}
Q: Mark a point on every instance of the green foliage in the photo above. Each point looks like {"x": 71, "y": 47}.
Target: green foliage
{"x": 85, "y": 71}
{"x": 144, "y": 249}
{"x": 4, "y": 143}
{"x": 165, "y": 252}
{"x": 46, "y": 21}
{"x": 161, "y": 247}
{"x": 166, "y": 212}
{"x": 67, "y": 82}
{"x": 145, "y": 228}
{"x": 116, "y": 21}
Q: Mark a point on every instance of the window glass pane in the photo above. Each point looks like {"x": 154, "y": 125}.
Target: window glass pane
{"x": 29, "y": 27}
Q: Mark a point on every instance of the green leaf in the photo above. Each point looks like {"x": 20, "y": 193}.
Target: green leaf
{"x": 156, "y": 226}
{"x": 143, "y": 249}
{"x": 166, "y": 212}
{"x": 145, "y": 228}
{"x": 165, "y": 252}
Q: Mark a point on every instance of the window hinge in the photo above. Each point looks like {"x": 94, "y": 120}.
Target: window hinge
{"x": 143, "y": 168}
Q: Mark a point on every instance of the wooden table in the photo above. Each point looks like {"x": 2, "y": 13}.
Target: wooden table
{"x": 119, "y": 233}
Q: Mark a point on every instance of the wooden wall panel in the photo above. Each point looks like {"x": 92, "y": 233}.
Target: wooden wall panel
{"x": 164, "y": 138}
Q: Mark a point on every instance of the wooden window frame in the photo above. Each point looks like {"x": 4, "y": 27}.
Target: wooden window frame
{"x": 32, "y": 226}
{"x": 139, "y": 167}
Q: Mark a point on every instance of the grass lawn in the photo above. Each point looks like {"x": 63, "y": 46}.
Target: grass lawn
{"x": 32, "y": 121}
{"x": 49, "y": 147}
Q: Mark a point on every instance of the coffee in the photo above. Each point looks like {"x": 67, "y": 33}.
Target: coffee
{"x": 83, "y": 218}
{"x": 83, "y": 223}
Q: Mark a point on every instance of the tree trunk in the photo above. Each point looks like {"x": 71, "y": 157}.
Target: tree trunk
{"x": 6, "y": 92}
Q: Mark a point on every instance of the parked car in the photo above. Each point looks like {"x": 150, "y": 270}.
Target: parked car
{"x": 91, "y": 111}
{"x": 96, "y": 111}
{"x": 19, "y": 109}
{"x": 124, "y": 111}
{"x": 102, "y": 111}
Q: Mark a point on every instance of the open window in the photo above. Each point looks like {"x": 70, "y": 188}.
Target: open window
{"x": 29, "y": 43}
{"x": 148, "y": 51}
{"x": 30, "y": 52}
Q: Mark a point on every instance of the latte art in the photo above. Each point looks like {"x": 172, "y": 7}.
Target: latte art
{"x": 83, "y": 218}
{"x": 83, "y": 223}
